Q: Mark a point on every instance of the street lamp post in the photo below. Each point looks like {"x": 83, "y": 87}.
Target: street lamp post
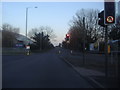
{"x": 27, "y": 18}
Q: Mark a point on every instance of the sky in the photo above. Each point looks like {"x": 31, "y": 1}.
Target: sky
{"x": 56, "y": 15}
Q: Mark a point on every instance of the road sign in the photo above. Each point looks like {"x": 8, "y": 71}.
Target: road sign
{"x": 27, "y": 47}
{"x": 109, "y": 8}
{"x": 110, "y": 19}
{"x": 101, "y": 19}
{"x": 19, "y": 45}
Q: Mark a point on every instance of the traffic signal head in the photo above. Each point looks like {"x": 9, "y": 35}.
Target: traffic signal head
{"x": 101, "y": 18}
{"x": 109, "y": 8}
{"x": 67, "y": 37}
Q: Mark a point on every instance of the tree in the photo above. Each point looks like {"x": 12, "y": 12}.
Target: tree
{"x": 42, "y": 37}
{"x": 8, "y": 27}
{"x": 9, "y": 35}
{"x": 114, "y": 33}
{"x": 45, "y": 29}
{"x": 90, "y": 29}
{"x": 42, "y": 41}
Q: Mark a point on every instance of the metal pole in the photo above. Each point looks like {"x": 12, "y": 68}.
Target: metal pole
{"x": 26, "y": 20}
{"x": 42, "y": 41}
{"x": 84, "y": 41}
{"x": 118, "y": 60}
{"x": 106, "y": 51}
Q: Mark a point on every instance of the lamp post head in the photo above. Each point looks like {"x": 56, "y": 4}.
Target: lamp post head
{"x": 36, "y": 7}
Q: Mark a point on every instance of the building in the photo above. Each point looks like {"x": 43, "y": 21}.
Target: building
{"x": 21, "y": 39}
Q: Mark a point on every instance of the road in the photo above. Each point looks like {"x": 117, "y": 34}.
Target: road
{"x": 45, "y": 70}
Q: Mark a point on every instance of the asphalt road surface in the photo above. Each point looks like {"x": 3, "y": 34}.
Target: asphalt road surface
{"x": 44, "y": 70}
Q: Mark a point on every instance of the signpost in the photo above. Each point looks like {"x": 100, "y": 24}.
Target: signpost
{"x": 109, "y": 18}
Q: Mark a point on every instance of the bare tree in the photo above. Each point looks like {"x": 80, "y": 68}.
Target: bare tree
{"x": 92, "y": 30}
{"x": 9, "y": 35}
{"x": 10, "y": 28}
{"x": 45, "y": 29}
{"x": 32, "y": 32}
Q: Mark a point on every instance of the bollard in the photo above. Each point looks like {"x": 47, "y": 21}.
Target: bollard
{"x": 111, "y": 57}
{"x": 109, "y": 49}
{"x": 59, "y": 51}
{"x": 27, "y": 49}
{"x": 28, "y": 53}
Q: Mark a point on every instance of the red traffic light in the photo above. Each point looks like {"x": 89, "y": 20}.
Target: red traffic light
{"x": 67, "y": 35}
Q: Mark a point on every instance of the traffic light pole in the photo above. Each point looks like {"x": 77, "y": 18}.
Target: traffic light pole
{"x": 84, "y": 41}
{"x": 106, "y": 51}
{"x": 109, "y": 18}
{"x": 40, "y": 42}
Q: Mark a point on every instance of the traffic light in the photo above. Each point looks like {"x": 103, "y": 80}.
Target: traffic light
{"x": 67, "y": 37}
{"x": 109, "y": 8}
{"x": 101, "y": 18}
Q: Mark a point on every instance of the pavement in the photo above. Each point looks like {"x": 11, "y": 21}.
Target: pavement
{"x": 95, "y": 77}
{"x": 86, "y": 73}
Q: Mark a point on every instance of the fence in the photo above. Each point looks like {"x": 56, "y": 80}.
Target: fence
{"x": 115, "y": 58}
{"x": 13, "y": 51}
